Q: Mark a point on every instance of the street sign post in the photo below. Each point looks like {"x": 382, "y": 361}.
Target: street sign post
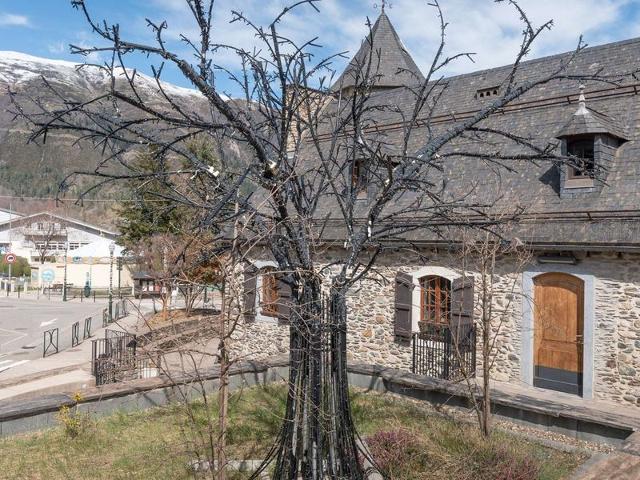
{"x": 9, "y": 258}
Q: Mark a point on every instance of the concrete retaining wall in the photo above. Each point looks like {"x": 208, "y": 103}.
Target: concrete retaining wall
{"x": 582, "y": 423}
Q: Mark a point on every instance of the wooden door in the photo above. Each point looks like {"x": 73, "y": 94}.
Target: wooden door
{"x": 558, "y": 339}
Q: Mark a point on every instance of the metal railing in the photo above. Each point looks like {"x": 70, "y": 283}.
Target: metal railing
{"x": 50, "y": 342}
{"x": 110, "y": 371}
{"x": 117, "y": 349}
{"x": 439, "y": 351}
{"x": 119, "y": 311}
{"x": 86, "y": 333}
{"x": 75, "y": 334}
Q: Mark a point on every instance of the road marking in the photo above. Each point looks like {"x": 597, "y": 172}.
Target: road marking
{"x": 14, "y": 364}
{"x": 45, "y": 324}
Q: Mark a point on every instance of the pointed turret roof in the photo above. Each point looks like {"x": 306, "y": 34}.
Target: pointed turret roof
{"x": 391, "y": 64}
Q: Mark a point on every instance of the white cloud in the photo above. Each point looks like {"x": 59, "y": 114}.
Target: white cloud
{"x": 57, "y": 48}
{"x": 489, "y": 29}
{"x": 493, "y": 30}
{"x": 13, "y": 20}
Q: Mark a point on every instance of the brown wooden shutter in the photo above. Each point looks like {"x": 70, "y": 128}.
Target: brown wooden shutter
{"x": 462, "y": 303}
{"x": 402, "y": 322}
{"x": 283, "y": 304}
{"x": 249, "y": 307}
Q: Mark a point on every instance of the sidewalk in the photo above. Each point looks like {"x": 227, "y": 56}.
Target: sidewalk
{"x": 68, "y": 370}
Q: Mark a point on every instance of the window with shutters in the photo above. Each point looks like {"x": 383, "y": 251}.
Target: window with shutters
{"x": 269, "y": 294}
{"x": 435, "y": 301}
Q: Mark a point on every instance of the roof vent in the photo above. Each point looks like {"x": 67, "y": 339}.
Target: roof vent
{"x": 488, "y": 92}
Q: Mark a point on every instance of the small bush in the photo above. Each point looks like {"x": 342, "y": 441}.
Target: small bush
{"x": 73, "y": 422}
{"x": 396, "y": 452}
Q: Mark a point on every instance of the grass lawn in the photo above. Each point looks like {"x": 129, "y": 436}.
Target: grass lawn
{"x": 410, "y": 441}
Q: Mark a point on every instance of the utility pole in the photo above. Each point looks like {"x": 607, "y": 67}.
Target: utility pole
{"x": 9, "y": 284}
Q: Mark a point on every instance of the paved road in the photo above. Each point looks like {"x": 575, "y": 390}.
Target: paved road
{"x": 23, "y": 321}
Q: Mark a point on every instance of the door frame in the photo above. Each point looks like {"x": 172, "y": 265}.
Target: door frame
{"x": 528, "y": 323}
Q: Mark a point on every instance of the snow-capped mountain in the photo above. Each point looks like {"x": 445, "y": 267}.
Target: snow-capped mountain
{"x": 20, "y": 69}
{"x": 33, "y": 170}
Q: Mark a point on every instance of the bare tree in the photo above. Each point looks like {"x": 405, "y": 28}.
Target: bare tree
{"x": 294, "y": 179}
{"x": 497, "y": 264}
{"x": 47, "y": 236}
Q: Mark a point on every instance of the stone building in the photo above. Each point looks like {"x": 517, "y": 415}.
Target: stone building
{"x": 570, "y": 315}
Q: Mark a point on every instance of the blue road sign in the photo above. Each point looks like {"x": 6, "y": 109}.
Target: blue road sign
{"x": 48, "y": 275}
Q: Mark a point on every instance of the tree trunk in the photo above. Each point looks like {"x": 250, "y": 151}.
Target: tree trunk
{"x": 318, "y": 438}
{"x": 223, "y": 392}
{"x": 485, "y": 426}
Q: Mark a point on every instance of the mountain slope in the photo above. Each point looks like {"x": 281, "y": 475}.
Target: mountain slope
{"x": 33, "y": 170}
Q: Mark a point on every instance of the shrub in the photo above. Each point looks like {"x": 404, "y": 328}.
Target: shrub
{"x": 506, "y": 465}
{"x": 73, "y": 422}
{"x": 396, "y": 452}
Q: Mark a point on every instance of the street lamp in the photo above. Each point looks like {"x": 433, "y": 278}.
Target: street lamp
{"x": 64, "y": 283}
{"x": 112, "y": 248}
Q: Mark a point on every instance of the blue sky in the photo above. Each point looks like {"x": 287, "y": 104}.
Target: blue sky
{"x": 46, "y": 27}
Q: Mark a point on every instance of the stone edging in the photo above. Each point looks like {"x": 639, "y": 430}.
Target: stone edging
{"x": 21, "y": 416}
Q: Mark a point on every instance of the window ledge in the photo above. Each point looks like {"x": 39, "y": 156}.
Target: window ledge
{"x": 579, "y": 183}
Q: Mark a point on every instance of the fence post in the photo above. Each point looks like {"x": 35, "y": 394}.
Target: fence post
{"x": 87, "y": 328}
{"x": 75, "y": 334}
{"x": 48, "y": 341}
{"x": 413, "y": 353}
{"x": 447, "y": 353}
{"x": 93, "y": 357}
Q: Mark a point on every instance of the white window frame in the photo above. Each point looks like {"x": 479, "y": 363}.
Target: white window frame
{"x": 435, "y": 271}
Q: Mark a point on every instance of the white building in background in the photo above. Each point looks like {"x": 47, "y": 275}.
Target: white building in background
{"x": 6, "y": 215}
{"x": 48, "y": 236}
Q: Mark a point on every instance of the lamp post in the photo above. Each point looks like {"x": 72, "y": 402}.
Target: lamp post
{"x": 64, "y": 282}
{"x": 112, "y": 248}
{"x": 119, "y": 272}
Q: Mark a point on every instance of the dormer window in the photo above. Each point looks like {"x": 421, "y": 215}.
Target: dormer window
{"x": 590, "y": 141}
{"x": 583, "y": 166}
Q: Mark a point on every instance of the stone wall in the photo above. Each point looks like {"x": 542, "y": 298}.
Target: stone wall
{"x": 371, "y": 314}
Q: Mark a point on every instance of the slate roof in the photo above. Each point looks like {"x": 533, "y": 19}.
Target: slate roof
{"x": 391, "y": 63}
{"x": 590, "y": 122}
{"x": 607, "y": 218}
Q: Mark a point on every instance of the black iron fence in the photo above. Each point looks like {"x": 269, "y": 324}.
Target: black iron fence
{"x": 109, "y": 370}
{"x": 75, "y": 334}
{"x": 118, "y": 310}
{"x": 87, "y": 328}
{"x": 442, "y": 352}
{"x": 116, "y": 352}
{"x": 50, "y": 342}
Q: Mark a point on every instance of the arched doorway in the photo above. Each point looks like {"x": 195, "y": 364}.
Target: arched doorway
{"x": 558, "y": 332}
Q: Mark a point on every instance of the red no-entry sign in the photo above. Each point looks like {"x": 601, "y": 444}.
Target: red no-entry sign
{"x": 9, "y": 258}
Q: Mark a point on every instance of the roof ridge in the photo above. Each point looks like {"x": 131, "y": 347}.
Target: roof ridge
{"x": 546, "y": 58}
